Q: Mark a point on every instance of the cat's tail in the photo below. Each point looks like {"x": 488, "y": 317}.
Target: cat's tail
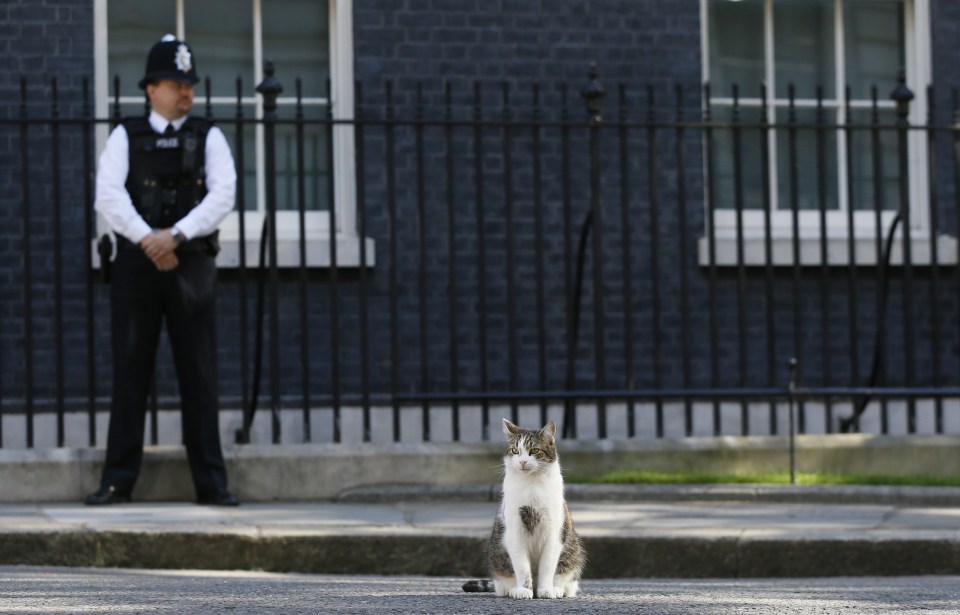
{"x": 478, "y": 585}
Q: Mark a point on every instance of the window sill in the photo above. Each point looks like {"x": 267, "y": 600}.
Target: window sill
{"x": 865, "y": 251}
{"x": 288, "y": 252}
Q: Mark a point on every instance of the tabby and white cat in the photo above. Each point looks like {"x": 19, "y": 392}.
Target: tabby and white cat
{"x": 533, "y": 550}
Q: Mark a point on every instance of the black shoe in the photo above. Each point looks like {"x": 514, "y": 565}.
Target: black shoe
{"x": 106, "y": 495}
{"x": 224, "y": 498}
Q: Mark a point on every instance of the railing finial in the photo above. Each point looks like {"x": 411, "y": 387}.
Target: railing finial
{"x": 902, "y": 95}
{"x": 593, "y": 92}
{"x": 270, "y": 88}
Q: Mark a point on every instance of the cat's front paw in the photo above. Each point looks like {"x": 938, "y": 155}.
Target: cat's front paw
{"x": 550, "y": 593}
{"x": 521, "y": 593}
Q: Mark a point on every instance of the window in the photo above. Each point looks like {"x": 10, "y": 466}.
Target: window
{"x": 818, "y": 49}
{"x": 309, "y": 39}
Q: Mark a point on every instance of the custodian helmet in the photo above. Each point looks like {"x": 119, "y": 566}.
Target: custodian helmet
{"x": 170, "y": 59}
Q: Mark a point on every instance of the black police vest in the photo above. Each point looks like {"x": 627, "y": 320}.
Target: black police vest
{"x": 166, "y": 178}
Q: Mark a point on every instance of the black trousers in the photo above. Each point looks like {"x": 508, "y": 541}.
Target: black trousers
{"x": 142, "y": 299}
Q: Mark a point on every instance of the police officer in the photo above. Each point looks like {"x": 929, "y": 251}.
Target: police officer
{"x": 164, "y": 184}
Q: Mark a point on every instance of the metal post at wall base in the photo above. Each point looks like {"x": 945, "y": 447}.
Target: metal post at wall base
{"x": 270, "y": 89}
{"x": 593, "y": 94}
{"x": 903, "y": 96}
{"x": 573, "y": 313}
{"x": 877, "y": 371}
{"x": 792, "y": 369}
{"x": 242, "y": 435}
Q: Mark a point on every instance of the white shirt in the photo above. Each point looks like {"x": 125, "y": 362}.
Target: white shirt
{"x": 113, "y": 201}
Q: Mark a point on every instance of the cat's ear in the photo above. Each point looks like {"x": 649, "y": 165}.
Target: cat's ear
{"x": 509, "y": 429}
{"x": 549, "y": 431}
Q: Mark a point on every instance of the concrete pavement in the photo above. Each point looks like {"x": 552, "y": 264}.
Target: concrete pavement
{"x": 684, "y": 532}
{"x": 29, "y": 590}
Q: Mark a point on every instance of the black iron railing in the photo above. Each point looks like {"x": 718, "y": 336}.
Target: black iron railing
{"x": 632, "y": 264}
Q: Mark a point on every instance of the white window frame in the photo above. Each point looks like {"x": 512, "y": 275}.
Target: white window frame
{"x": 917, "y": 56}
{"x": 344, "y": 163}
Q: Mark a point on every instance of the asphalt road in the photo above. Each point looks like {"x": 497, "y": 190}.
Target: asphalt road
{"x": 26, "y": 590}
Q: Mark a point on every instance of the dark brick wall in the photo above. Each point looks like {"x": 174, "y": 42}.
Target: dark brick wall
{"x": 48, "y": 48}
{"x": 509, "y": 47}
{"x": 523, "y": 42}
{"x": 46, "y": 40}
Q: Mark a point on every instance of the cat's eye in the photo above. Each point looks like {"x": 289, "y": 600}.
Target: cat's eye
{"x": 535, "y": 451}
{"x": 513, "y": 451}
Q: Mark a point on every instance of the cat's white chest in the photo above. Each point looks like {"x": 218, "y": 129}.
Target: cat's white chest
{"x": 539, "y": 499}
{"x": 533, "y": 511}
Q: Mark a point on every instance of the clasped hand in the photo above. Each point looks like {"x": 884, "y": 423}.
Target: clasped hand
{"x": 159, "y": 247}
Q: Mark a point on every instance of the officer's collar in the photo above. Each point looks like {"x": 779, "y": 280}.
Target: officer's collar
{"x": 159, "y": 123}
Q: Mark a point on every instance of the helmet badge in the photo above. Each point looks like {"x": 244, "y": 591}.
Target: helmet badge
{"x": 183, "y": 59}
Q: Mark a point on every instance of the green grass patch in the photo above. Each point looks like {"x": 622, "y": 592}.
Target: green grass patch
{"x": 650, "y": 477}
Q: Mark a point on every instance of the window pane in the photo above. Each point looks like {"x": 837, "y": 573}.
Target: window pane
{"x": 804, "y": 52}
{"x": 296, "y": 38}
{"x": 134, "y": 27}
{"x": 875, "y": 149}
{"x": 874, "y": 44}
{"x": 750, "y": 152}
{"x": 221, "y": 35}
{"x": 736, "y": 45}
{"x": 130, "y": 109}
{"x": 809, "y": 155}
{"x": 316, "y": 163}
{"x": 225, "y": 117}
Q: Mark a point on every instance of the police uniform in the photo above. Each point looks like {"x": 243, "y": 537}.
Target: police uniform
{"x": 155, "y": 173}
